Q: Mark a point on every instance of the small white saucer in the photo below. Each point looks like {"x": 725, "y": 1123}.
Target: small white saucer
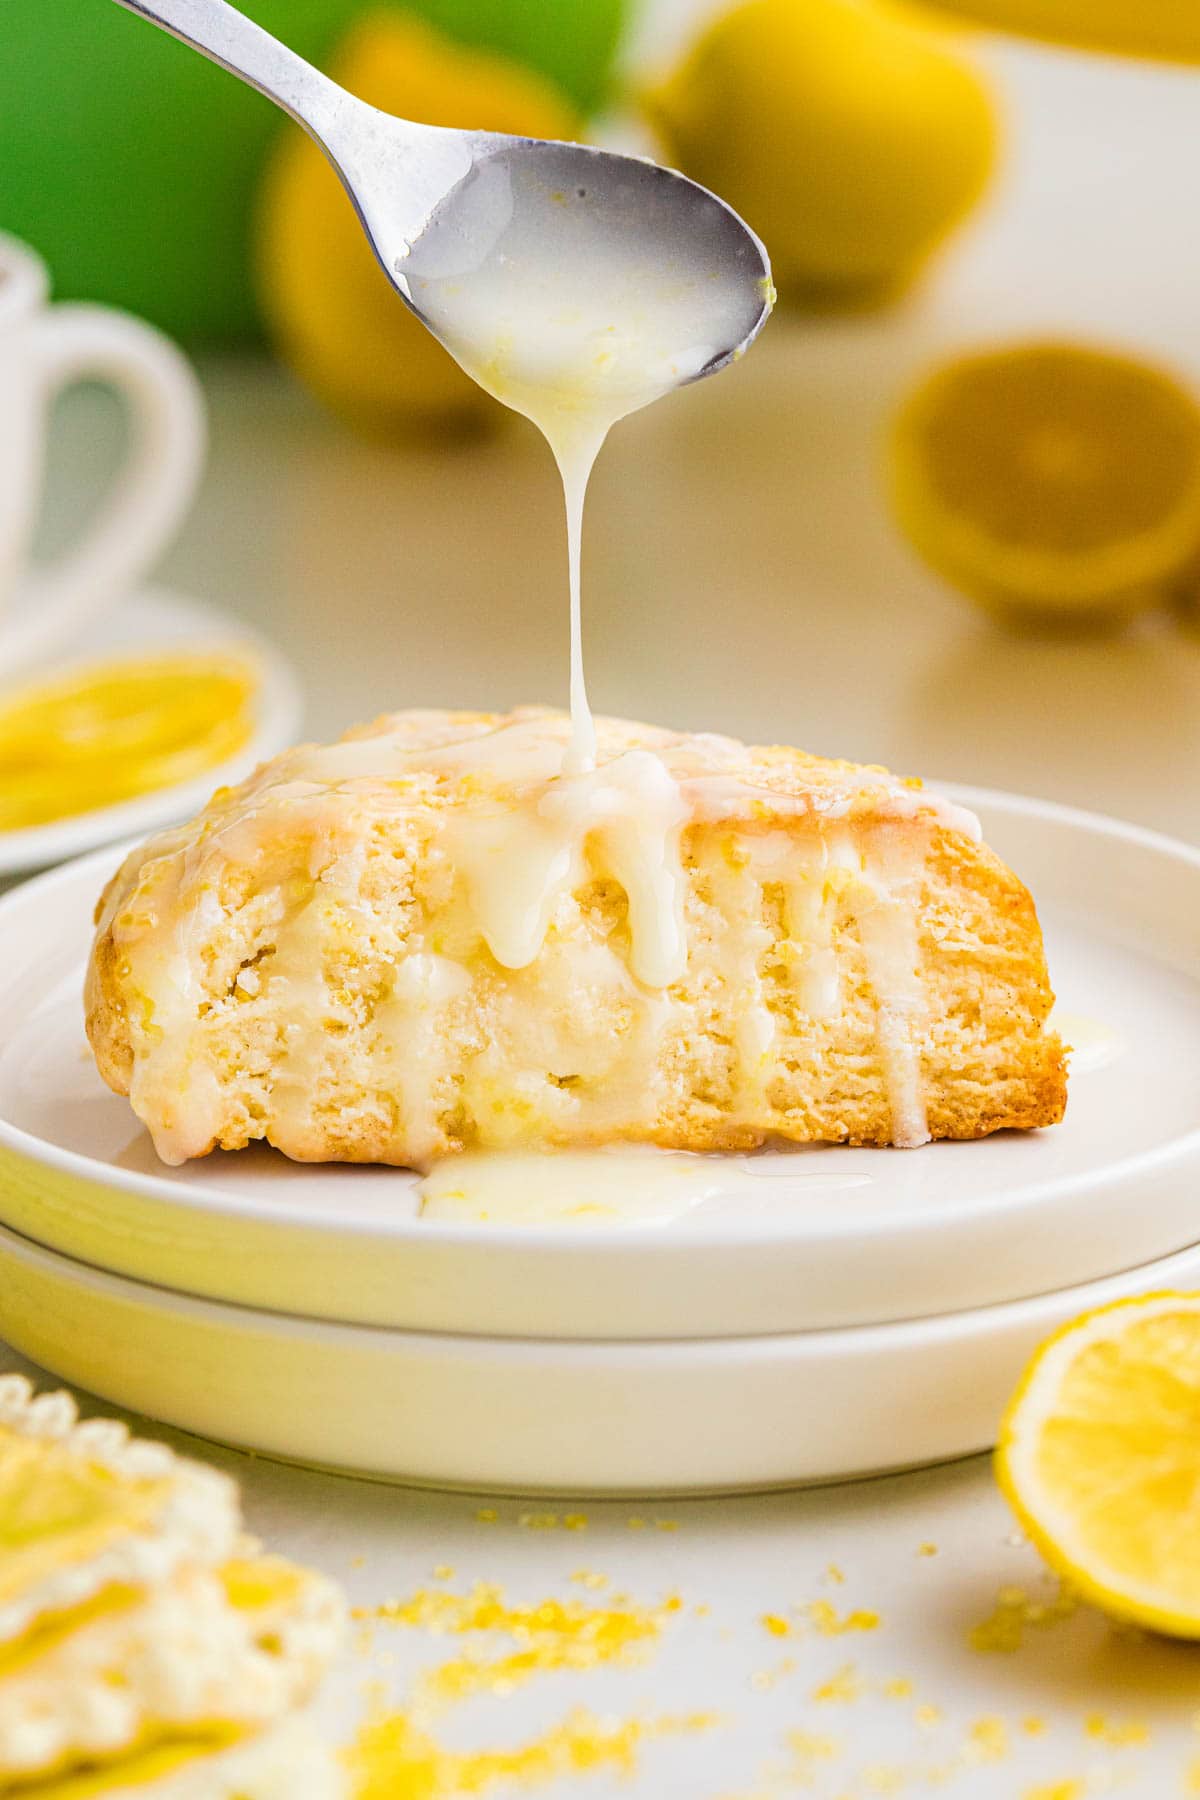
{"x": 519, "y": 1415}
{"x": 930, "y": 1231}
{"x": 149, "y": 620}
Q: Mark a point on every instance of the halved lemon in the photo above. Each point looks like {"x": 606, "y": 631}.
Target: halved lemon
{"x": 1050, "y": 478}
{"x": 1099, "y": 1455}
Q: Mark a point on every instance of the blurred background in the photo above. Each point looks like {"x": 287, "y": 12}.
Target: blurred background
{"x": 946, "y": 515}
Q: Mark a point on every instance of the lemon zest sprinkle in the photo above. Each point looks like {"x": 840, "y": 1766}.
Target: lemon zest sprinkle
{"x": 825, "y": 1619}
{"x": 842, "y": 1686}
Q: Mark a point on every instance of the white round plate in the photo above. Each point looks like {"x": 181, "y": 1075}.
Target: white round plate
{"x": 930, "y": 1231}
{"x": 147, "y": 621}
{"x": 527, "y": 1415}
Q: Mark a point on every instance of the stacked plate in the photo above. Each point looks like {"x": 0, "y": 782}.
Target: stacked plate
{"x": 858, "y": 1311}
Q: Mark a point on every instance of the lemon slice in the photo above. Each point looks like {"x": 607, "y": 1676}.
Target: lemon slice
{"x": 111, "y": 731}
{"x": 1099, "y": 1454}
{"x": 1050, "y": 478}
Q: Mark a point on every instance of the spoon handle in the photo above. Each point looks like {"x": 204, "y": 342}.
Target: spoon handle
{"x": 229, "y": 38}
{"x": 394, "y": 171}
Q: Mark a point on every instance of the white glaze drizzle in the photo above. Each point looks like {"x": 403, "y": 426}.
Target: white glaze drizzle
{"x": 413, "y": 1043}
{"x": 755, "y": 1023}
{"x": 888, "y": 932}
{"x": 518, "y": 862}
{"x": 569, "y": 316}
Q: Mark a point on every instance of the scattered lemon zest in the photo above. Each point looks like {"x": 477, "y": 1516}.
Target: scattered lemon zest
{"x": 824, "y": 1619}
{"x": 1117, "y": 1736}
{"x": 551, "y": 1635}
{"x": 763, "y": 1680}
{"x": 776, "y": 1625}
{"x": 987, "y": 1739}
{"x": 1003, "y": 1631}
{"x": 808, "y": 1747}
{"x": 842, "y": 1686}
{"x": 393, "y": 1756}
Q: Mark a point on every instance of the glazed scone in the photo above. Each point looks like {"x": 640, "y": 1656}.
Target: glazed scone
{"x": 427, "y": 938}
{"x": 134, "y": 1613}
{"x": 86, "y": 1511}
{"x": 287, "y": 1762}
{"x": 210, "y": 1652}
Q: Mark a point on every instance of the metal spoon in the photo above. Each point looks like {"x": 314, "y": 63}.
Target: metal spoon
{"x": 403, "y": 178}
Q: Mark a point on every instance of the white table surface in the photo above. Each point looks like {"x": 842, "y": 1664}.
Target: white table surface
{"x": 741, "y": 575}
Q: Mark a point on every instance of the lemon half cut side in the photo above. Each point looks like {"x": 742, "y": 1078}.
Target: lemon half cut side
{"x": 1050, "y": 478}
{"x": 1099, "y": 1455}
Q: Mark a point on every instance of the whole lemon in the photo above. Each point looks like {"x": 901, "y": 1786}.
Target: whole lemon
{"x": 332, "y": 312}
{"x": 847, "y": 132}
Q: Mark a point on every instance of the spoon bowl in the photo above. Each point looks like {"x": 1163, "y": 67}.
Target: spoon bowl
{"x": 451, "y": 214}
{"x": 598, "y": 244}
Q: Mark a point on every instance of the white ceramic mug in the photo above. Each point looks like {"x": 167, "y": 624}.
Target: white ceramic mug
{"x": 43, "y": 349}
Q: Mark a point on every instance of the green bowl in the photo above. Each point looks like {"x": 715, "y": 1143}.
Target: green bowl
{"x": 130, "y": 163}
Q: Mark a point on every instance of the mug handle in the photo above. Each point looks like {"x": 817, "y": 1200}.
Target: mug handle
{"x": 150, "y": 493}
